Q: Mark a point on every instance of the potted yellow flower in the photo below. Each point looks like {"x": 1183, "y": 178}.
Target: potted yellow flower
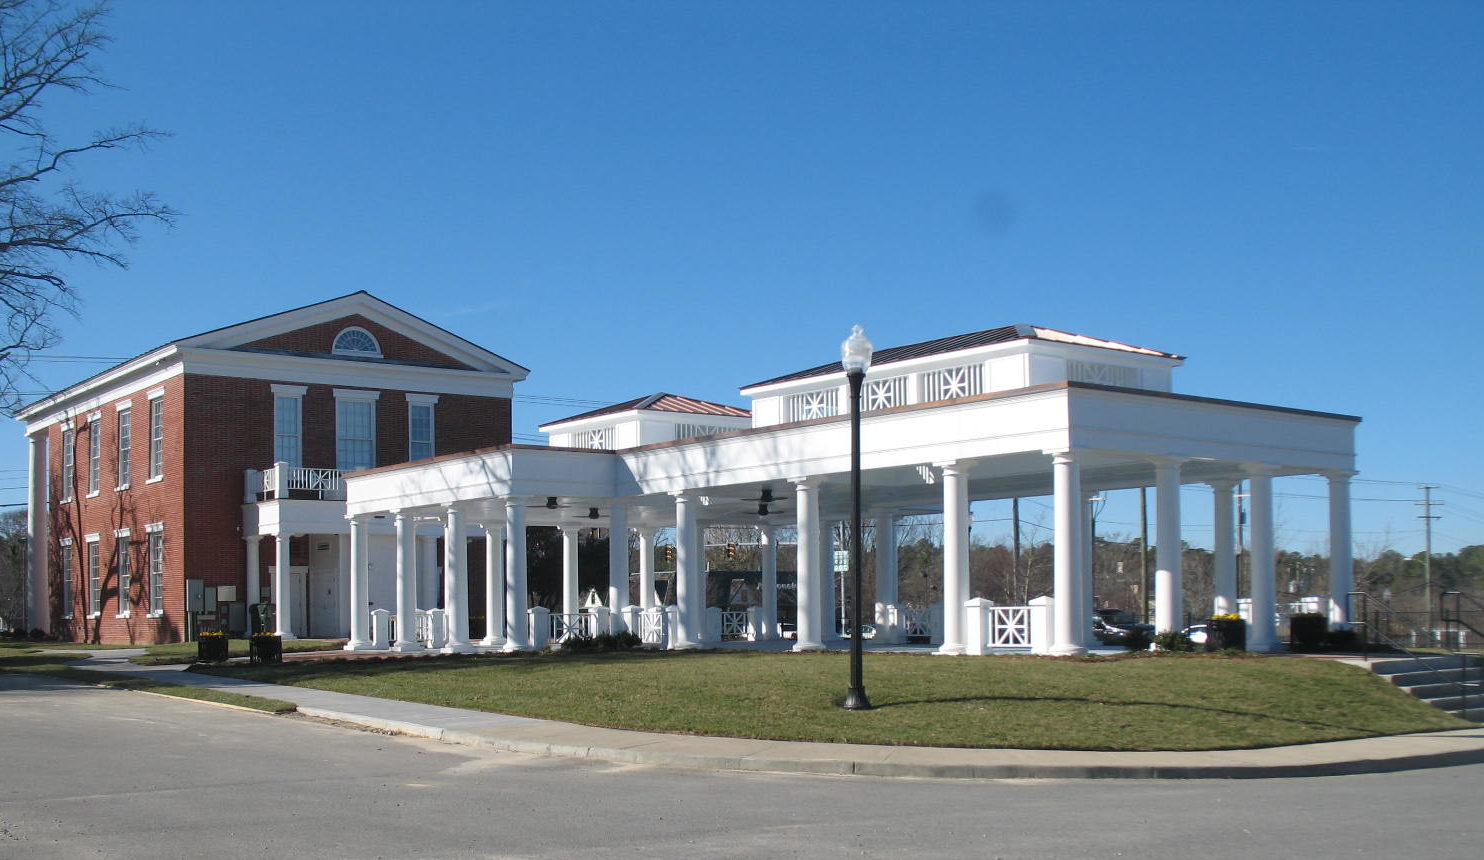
{"x": 1227, "y": 631}
{"x": 211, "y": 647}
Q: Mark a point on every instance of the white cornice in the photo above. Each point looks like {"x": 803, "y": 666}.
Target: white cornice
{"x": 342, "y": 373}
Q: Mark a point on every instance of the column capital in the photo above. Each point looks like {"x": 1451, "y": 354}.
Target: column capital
{"x": 1062, "y": 455}
{"x": 1259, "y": 470}
{"x": 806, "y": 482}
{"x": 571, "y": 530}
{"x": 357, "y": 518}
{"x": 1222, "y": 485}
{"x": 1166, "y": 460}
{"x": 1339, "y": 476}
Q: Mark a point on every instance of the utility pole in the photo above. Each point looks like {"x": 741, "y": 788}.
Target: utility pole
{"x": 1427, "y": 516}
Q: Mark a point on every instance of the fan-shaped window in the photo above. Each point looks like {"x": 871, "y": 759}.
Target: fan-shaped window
{"x": 356, "y": 341}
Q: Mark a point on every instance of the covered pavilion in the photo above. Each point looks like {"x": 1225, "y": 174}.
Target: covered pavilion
{"x": 1008, "y": 412}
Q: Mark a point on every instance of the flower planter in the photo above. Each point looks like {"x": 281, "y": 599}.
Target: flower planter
{"x": 211, "y": 649}
{"x": 1223, "y": 635}
{"x": 1306, "y": 630}
{"x": 265, "y": 648}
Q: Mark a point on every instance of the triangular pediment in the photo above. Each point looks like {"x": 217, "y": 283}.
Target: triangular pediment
{"x": 398, "y": 336}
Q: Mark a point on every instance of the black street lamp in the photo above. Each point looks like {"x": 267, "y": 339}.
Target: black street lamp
{"x": 855, "y": 357}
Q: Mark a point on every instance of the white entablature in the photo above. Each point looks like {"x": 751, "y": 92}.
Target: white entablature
{"x": 1002, "y": 359}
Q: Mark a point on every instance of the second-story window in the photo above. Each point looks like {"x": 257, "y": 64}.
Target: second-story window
{"x": 124, "y": 438}
{"x": 288, "y": 424}
{"x": 156, "y": 438}
{"x": 355, "y": 430}
{"x": 95, "y": 453}
{"x": 69, "y": 463}
{"x": 420, "y": 426}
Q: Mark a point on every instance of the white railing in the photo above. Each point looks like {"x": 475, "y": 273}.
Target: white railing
{"x": 652, "y": 627}
{"x": 952, "y": 382}
{"x": 1009, "y": 627}
{"x": 565, "y": 624}
{"x": 281, "y": 480}
{"x": 424, "y": 632}
{"x": 734, "y": 624}
{"x": 917, "y": 622}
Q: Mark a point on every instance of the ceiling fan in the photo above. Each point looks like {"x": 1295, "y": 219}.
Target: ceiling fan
{"x": 766, "y": 497}
{"x": 552, "y": 503}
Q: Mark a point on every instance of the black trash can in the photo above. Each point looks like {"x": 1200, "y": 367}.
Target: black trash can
{"x": 1224, "y": 634}
{"x": 211, "y": 648}
{"x": 265, "y": 648}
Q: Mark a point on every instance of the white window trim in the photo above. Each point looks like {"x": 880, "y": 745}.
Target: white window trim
{"x": 65, "y": 547}
{"x": 68, "y": 486}
{"x": 155, "y": 395}
{"x": 295, "y": 392}
{"x": 121, "y": 553}
{"x": 430, "y": 401}
{"x": 153, "y": 529}
{"x": 334, "y": 350}
{"x": 95, "y": 440}
{"x": 358, "y": 395}
{"x": 121, "y": 408}
{"x": 88, "y": 594}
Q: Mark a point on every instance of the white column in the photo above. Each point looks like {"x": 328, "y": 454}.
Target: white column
{"x": 1224, "y": 549}
{"x": 427, "y": 572}
{"x": 517, "y": 620}
{"x": 646, "y": 569}
{"x": 494, "y": 586}
{"x": 252, "y": 583}
{"x": 886, "y": 558}
{"x": 829, "y": 604}
{"x": 768, "y": 562}
{"x": 1084, "y": 558}
{"x": 1167, "y": 550}
{"x": 342, "y": 576}
{"x": 1263, "y": 631}
{"x": 1068, "y": 628}
{"x": 955, "y": 556}
{"x": 1341, "y": 562}
{"x": 360, "y": 612}
{"x": 690, "y": 598}
{"x": 283, "y": 596}
{"x": 618, "y": 557}
{"x": 38, "y": 540}
{"x": 456, "y": 582}
{"x": 806, "y": 591}
{"x": 406, "y": 584}
{"x": 571, "y": 600}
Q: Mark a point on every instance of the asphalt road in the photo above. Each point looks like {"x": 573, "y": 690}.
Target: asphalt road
{"x": 86, "y": 772}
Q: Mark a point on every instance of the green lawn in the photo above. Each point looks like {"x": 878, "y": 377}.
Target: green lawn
{"x": 25, "y": 657}
{"x": 1170, "y": 701}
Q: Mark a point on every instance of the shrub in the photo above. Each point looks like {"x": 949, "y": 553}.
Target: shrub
{"x": 579, "y": 644}
{"x": 1137, "y": 639}
{"x": 1173, "y": 640}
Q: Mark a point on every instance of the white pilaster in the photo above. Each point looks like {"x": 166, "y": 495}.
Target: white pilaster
{"x": 646, "y": 569}
{"x": 807, "y": 591}
{"x": 343, "y": 577}
{"x": 456, "y": 581}
{"x": 1341, "y": 562}
{"x": 886, "y": 558}
{"x": 1069, "y": 628}
{"x": 494, "y": 586}
{"x": 955, "y": 556}
{"x": 360, "y": 611}
{"x": 1084, "y": 557}
{"x": 517, "y": 619}
{"x": 406, "y": 584}
{"x": 1167, "y": 550}
{"x": 283, "y": 595}
{"x": 690, "y": 593}
{"x": 618, "y": 558}
{"x": 1262, "y": 632}
{"x": 1224, "y": 549}
{"x": 571, "y": 600}
{"x": 829, "y": 604}
{"x": 768, "y": 562}
{"x": 252, "y": 580}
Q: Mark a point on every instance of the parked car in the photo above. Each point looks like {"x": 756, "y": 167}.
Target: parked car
{"x": 1197, "y": 633}
{"x": 1115, "y": 626}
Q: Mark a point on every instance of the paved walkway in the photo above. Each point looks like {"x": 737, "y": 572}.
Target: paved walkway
{"x": 552, "y": 738}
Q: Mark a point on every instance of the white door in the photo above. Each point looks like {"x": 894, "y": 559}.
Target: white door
{"x": 324, "y": 589}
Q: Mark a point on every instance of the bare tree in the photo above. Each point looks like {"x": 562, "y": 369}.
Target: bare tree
{"x": 46, "y": 48}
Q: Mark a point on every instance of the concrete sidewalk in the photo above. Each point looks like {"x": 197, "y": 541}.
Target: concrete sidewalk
{"x": 552, "y": 738}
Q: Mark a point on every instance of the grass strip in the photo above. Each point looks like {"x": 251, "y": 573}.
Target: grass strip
{"x": 1139, "y": 702}
{"x": 185, "y": 652}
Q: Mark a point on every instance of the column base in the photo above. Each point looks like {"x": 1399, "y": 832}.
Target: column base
{"x": 493, "y": 642}
{"x": 809, "y": 646}
{"x": 407, "y": 647}
{"x": 946, "y": 650}
{"x": 286, "y": 636}
{"x": 511, "y": 647}
{"x": 685, "y": 646}
{"x": 460, "y": 648}
{"x": 353, "y": 645}
{"x": 1067, "y": 651}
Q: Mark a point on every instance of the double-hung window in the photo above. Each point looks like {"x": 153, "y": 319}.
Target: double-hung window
{"x": 69, "y": 463}
{"x": 288, "y": 424}
{"x": 157, "y": 434}
{"x": 95, "y": 453}
{"x": 125, "y": 436}
{"x": 125, "y": 578}
{"x": 420, "y": 426}
{"x": 68, "y": 586}
{"x": 156, "y": 568}
{"x": 95, "y": 578}
{"x": 355, "y": 429}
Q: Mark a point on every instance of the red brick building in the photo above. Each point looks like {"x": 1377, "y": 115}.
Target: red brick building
{"x": 170, "y": 491}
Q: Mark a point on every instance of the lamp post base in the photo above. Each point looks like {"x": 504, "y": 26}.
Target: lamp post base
{"x": 855, "y": 700}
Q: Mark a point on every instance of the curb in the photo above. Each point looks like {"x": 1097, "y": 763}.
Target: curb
{"x": 845, "y": 766}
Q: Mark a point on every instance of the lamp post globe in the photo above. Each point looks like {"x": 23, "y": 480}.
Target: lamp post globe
{"x": 855, "y": 358}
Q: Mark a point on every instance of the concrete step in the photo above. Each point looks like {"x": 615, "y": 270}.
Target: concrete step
{"x": 1443, "y": 689}
{"x": 1407, "y": 665}
{"x": 1454, "y": 704}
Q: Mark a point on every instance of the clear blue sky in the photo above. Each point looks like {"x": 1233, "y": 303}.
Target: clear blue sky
{"x": 692, "y": 196}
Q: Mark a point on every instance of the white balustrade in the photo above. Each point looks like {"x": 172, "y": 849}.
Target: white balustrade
{"x": 327, "y": 484}
{"x": 734, "y": 624}
{"x": 565, "y": 624}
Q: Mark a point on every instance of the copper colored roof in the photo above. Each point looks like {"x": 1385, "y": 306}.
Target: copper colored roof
{"x": 954, "y": 343}
{"x": 662, "y": 403}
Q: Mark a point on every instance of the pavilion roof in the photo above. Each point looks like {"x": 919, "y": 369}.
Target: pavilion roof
{"x": 661, "y": 402}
